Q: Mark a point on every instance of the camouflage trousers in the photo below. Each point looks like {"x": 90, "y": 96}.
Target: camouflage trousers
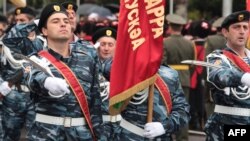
{"x": 49, "y": 132}
{"x": 18, "y": 110}
{"x": 1, "y": 126}
{"x": 214, "y": 130}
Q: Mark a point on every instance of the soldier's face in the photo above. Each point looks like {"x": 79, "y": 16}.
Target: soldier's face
{"x": 21, "y": 19}
{"x": 58, "y": 27}
{"x": 237, "y": 34}
{"x": 107, "y": 46}
{"x": 72, "y": 18}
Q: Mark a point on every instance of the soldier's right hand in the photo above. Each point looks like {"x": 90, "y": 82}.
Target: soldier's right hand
{"x": 57, "y": 87}
{"x": 245, "y": 79}
{"x": 4, "y": 88}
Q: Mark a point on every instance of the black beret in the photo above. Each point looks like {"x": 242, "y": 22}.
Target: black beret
{"x": 106, "y": 31}
{"x": 48, "y": 11}
{"x": 70, "y": 6}
{"x": 235, "y": 17}
{"x": 24, "y": 10}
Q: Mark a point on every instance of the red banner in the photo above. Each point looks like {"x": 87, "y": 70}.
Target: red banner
{"x": 248, "y": 5}
{"x": 139, "y": 50}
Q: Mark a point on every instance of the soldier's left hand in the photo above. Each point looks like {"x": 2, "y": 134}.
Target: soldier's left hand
{"x": 153, "y": 129}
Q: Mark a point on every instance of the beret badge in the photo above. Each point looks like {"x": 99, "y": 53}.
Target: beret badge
{"x": 56, "y": 8}
{"x": 241, "y": 17}
{"x": 108, "y": 32}
{"x": 18, "y": 11}
{"x": 70, "y": 7}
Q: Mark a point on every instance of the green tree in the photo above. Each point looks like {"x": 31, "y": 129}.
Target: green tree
{"x": 208, "y": 9}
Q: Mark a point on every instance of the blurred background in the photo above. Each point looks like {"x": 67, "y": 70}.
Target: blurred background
{"x": 191, "y": 9}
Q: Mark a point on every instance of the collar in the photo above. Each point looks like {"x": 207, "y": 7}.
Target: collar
{"x": 231, "y": 50}
{"x": 55, "y": 54}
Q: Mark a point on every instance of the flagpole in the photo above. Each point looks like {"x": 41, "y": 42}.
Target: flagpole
{"x": 150, "y": 103}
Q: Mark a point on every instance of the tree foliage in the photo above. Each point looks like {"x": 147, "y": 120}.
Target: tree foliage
{"x": 208, "y": 9}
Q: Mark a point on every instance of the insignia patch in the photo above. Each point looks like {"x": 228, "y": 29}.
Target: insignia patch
{"x": 108, "y": 32}
{"x": 56, "y": 8}
{"x": 241, "y": 17}
{"x": 18, "y": 11}
{"x": 70, "y": 7}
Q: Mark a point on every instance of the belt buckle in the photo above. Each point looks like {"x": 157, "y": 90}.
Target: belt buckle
{"x": 113, "y": 119}
{"x": 67, "y": 121}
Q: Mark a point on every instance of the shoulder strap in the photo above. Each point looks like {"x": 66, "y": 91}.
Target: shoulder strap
{"x": 165, "y": 93}
{"x": 236, "y": 60}
{"x": 74, "y": 84}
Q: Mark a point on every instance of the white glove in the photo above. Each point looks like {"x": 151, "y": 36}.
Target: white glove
{"x": 96, "y": 45}
{"x": 245, "y": 79}
{"x": 153, "y": 129}
{"x": 57, "y": 87}
{"x": 4, "y": 88}
{"x": 36, "y": 21}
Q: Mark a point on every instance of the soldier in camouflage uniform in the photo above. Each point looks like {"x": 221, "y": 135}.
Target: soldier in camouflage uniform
{"x": 105, "y": 41}
{"x": 18, "y": 108}
{"x": 58, "y": 113}
{"x": 231, "y": 82}
{"x": 3, "y": 90}
{"x": 3, "y": 27}
{"x": 134, "y": 126}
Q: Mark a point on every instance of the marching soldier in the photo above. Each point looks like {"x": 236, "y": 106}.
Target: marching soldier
{"x": 18, "y": 107}
{"x": 230, "y": 82}
{"x": 66, "y": 96}
{"x": 166, "y": 119}
{"x": 105, "y": 42}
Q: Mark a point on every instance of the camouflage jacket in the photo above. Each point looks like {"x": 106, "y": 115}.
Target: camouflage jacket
{"x": 136, "y": 112}
{"x": 85, "y": 68}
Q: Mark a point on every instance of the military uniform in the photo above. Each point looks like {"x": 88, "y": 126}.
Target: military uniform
{"x": 177, "y": 49}
{"x": 223, "y": 97}
{"x": 61, "y": 117}
{"x": 67, "y": 106}
{"x": 135, "y": 114}
{"x": 1, "y": 118}
{"x": 230, "y": 83}
{"x": 111, "y": 122}
{"x": 18, "y": 107}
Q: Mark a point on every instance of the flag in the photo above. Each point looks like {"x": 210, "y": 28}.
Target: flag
{"x": 248, "y": 5}
{"x": 139, "y": 49}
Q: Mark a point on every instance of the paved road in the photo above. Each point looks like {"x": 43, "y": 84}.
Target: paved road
{"x": 193, "y": 137}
